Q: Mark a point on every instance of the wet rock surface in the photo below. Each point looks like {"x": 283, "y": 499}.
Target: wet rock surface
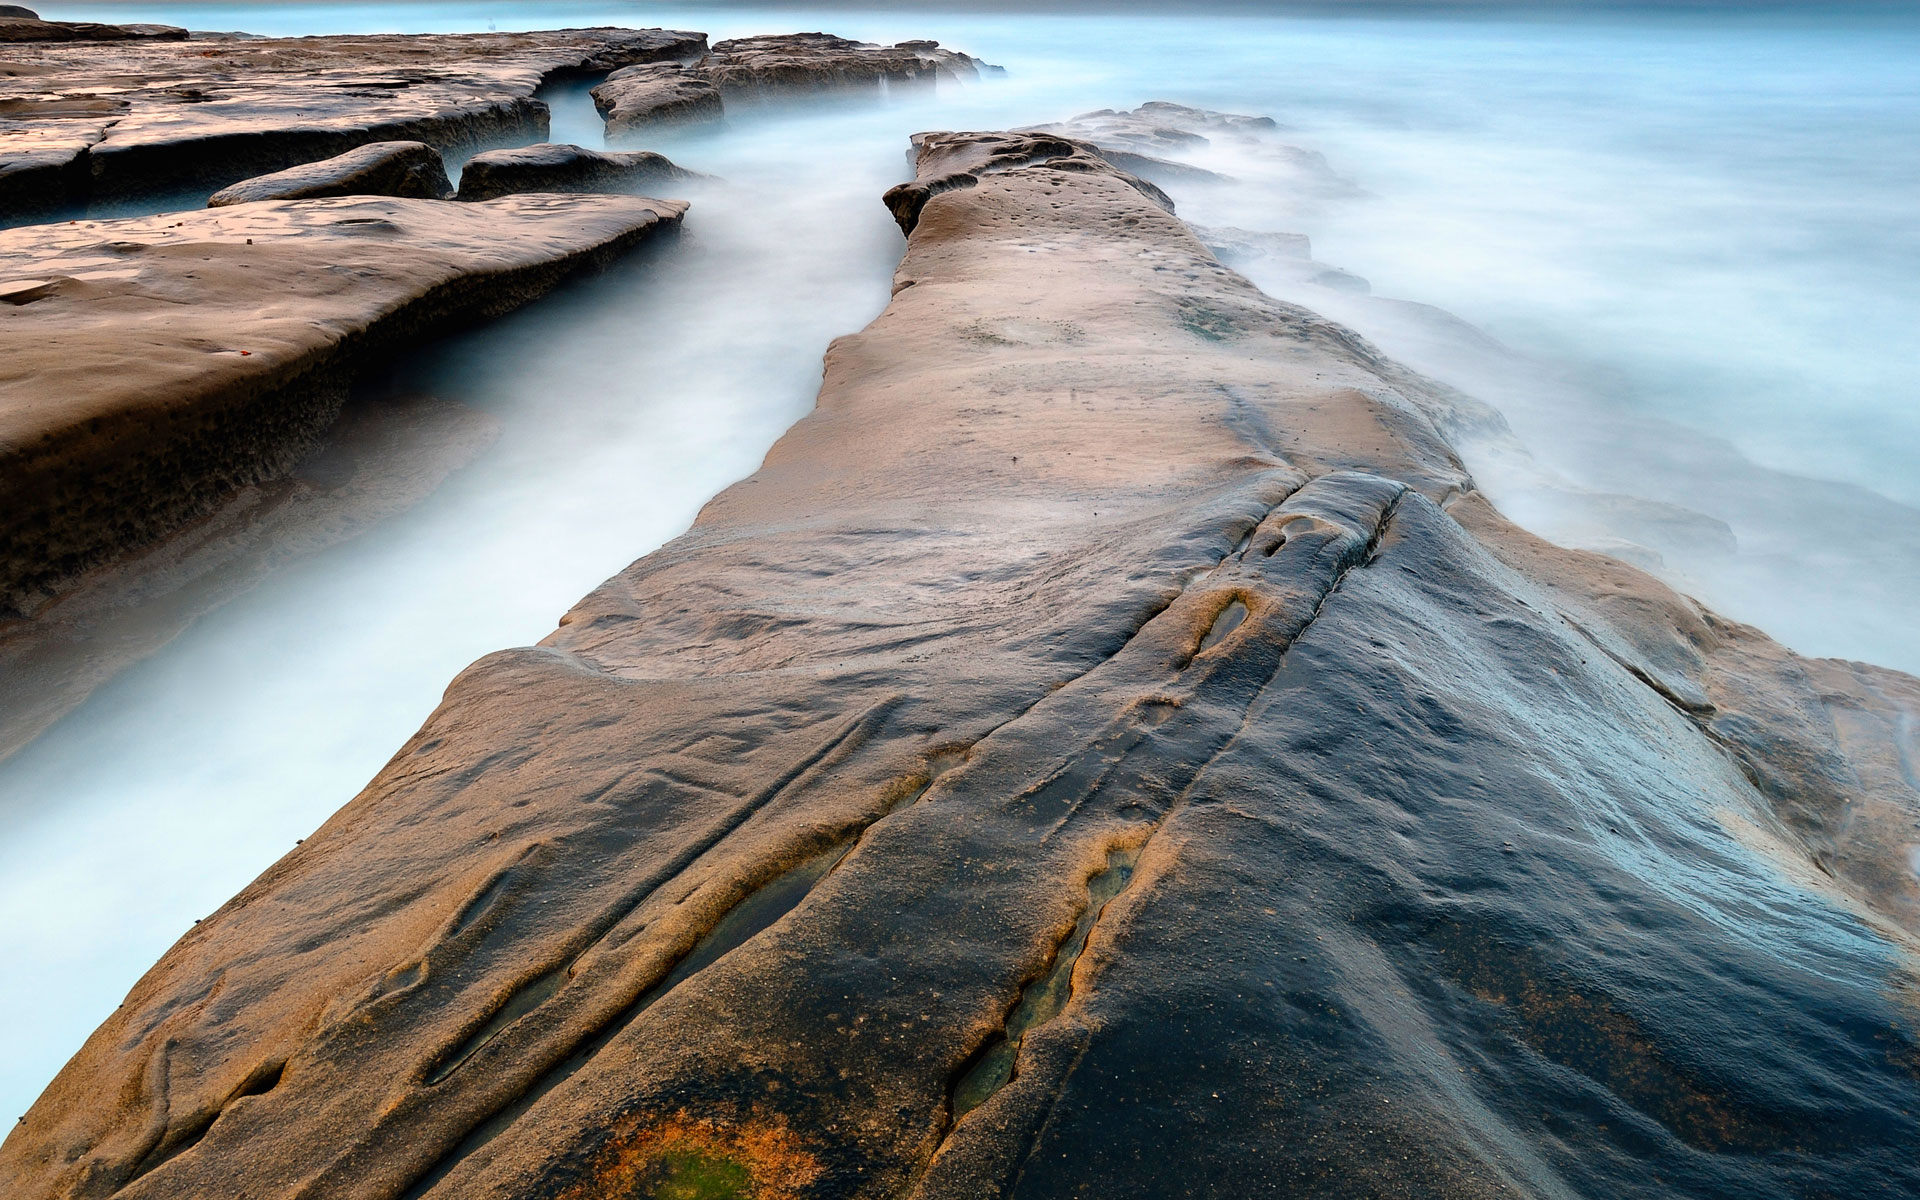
{"x": 744, "y": 70}
{"x": 156, "y": 364}
{"x": 1109, "y": 748}
{"x": 550, "y": 167}
{"x": 406, "y": 169}
{"x": 85, "y": 123}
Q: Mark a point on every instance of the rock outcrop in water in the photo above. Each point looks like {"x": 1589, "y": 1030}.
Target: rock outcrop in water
{"x": 549, "y": 167}
{"x": 82, "y": 123}
{"x": 1109, "y": 748}
{"x": 746, "y": 70}
{"x": 406, "y": 169}
{"x": 154, "y": 364}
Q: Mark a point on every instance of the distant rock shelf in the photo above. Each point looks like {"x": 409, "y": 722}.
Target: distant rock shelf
{"x": 155, "y": 364}
{"x": 1110, "y": 748}
{"x": 781, "y": 65}
{"x": 203, "y": 115}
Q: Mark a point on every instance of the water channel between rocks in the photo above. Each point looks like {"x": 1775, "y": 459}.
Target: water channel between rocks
{"x": 597, "y": 421}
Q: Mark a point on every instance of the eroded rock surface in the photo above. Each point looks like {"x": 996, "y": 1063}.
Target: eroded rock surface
{"x": 745, "y": 70}
{"x": 1109, "y": 749}
{"x": 86, "y": 122}
{"x": 549, "y": 167}
{"x": 406, "y": 169}
{"x": 154, "y": 364}
{"x": 21, "y": 25}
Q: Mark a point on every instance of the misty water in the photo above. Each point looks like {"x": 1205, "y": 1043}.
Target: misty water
{"x": 1684, "y": 243}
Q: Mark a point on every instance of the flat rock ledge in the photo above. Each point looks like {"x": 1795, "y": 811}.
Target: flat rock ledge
{"x": 85, "y": 123}
{"x": 552, "y": 167}
{"x": 746, "y": 70}
{"x": 406, "y": 169}
{"x": 156, "y": 364}
{"x": 1109, "y": 748}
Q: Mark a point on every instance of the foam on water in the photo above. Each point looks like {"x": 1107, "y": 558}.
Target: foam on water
{"x": 1693, "y": 232}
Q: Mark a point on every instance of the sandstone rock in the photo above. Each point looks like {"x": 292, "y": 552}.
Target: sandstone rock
{"x": 646, "y": 96}
{"x": 560, "y": 168}
{"x": 157, "y": 363}
{"x": 205, "y": 114}
{"x": 16, "y": 28}
{"x": 407, "y": 169}
{"x": 746, "y": 70}
{"x": 1110, "y": 748}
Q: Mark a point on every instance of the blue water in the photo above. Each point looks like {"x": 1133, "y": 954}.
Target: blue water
{"x": 1695, "y": 230}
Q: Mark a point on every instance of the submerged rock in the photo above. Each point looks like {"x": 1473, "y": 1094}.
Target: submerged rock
{"x": 1110, "y": 748}
{"x": 1137, "y": 141}
{"x": 406, "y": 169}
{"x": 82, "y": 123}
{"x": 548, "y": 167}
{"x": 745, "y": 70}
{"x": 155, "y": 364}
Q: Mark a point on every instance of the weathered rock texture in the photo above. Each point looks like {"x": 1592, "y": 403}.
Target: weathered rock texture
{"x": 1109, "y": 749}
{"x": 152, "y": 365}
{"x": 745, "y": 70}
{"x": 85, "y": 122}
{"x": 20, "y": 25}
{"x": 406, "y": 169}
{"x": 548, "y": 167}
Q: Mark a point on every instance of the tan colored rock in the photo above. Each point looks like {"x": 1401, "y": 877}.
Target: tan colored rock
{"x": 16, "y": 27}
{"x": 1108, "y": 749}
{"x": 657, "y": 94}
{"x": 406, "y": 169}
{"x": 155, "y": 364}
{"x": 86, "y": 122}
{"x": 749, "y": 70}
{"x": 548, "y": 167}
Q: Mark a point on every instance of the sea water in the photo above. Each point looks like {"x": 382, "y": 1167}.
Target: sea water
{"x": 1684, "y": 239}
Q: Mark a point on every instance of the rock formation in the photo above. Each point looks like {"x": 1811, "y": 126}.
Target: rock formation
{"x": 407, "y": 169}
{"x": 79, "y": 123}
{"x": 560, "y": 168}
{"x": 1109, "y": 748}
{"x": 758, "y": 68}
{"x": 1138, "y": 141}
{"x": 154, "y": 364}
{"x": 21, "y": 25}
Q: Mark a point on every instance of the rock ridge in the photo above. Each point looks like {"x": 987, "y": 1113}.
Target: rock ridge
{"x": 155, "y": 364}
{"x": 1109, "y": 747}
{"x": 179, "y": 117}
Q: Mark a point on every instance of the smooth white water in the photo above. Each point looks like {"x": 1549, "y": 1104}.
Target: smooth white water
{"x": 1695, "y": 229}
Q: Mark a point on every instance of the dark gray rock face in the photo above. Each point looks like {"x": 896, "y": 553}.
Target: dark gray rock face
{"x": 15, "y": 11}
{"x": 745, "y": 70}
{"x": 94, "y": 122}
{"x": 1110, "y": 748}
{"x": 409, "y": 169}
{"x": 549, "y": 167}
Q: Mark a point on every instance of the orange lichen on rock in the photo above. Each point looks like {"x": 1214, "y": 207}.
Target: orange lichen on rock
{"x": 697, "y": 1158}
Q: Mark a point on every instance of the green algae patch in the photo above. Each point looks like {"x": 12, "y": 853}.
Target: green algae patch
{"x": 693, "y": 1175}
{"x": 699, "y": 1158}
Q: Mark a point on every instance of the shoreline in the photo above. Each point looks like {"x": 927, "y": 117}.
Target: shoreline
{"x": 972, "y": 629}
